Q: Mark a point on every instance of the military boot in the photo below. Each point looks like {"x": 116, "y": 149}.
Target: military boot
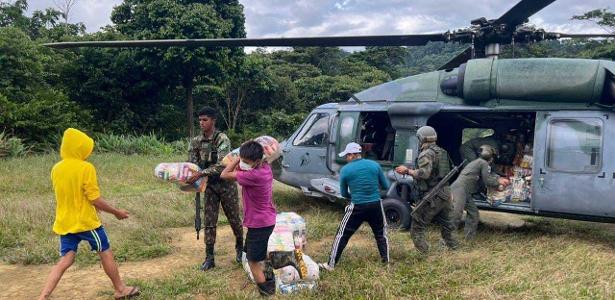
{"x": 450, "y": 240}
{"x": 280, "y": 259}
{"x": 469, "y": 235}
{"x": 267, "y": 288}
{"x": 420, "y": 243}
{"x": 209, "y": 258}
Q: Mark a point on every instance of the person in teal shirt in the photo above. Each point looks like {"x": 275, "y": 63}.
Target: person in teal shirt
{"x": 364, "y": 178}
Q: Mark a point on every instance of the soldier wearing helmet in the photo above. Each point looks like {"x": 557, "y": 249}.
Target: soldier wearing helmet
{"x": 472, "y": 178}
{"x": 432, "y": 165}
{"x": 470, "y": 150}
{"x": 502, "y": 141}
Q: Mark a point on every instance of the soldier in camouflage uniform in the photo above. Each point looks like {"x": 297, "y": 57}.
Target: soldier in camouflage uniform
{"x": 474, "y": 176}
{"x": 207, "y": 151}
{"x": 431, "y": 162}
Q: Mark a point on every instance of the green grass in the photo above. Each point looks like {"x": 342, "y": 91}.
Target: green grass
{"x": 543, "y": 259}
{"x": 27, "y": 208}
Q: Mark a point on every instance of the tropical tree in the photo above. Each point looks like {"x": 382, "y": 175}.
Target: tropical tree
{"x": 30, "y": 108}
{"x": 162, "y": 19}
{"x": 605, "y": 19}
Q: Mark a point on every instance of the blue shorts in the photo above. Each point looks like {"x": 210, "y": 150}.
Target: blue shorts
{"x": 97, "y": 239}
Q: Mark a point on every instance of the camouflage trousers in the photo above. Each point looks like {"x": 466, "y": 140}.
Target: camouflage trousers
{"x": 462, "y": 200}
{"x": 438, "y": 211}
{"x": 224, "y": 193}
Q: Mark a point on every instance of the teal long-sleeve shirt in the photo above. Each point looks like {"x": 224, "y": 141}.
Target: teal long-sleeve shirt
{"x": 364, "y": 178}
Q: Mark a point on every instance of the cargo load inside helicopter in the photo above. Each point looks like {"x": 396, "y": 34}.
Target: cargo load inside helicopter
{"x": 510, "y": 133}
{"x": 461, "y": 133}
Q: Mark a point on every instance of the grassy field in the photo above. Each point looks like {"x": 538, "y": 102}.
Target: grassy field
{"x": 535, "y": 259}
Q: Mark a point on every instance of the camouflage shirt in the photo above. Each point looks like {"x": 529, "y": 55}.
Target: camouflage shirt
{"x": 427, "y": 170}
{"x": 205, "y": 151}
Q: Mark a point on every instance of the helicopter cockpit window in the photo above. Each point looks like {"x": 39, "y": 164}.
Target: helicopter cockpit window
{"x": 575, "y": 145}
{"x": 315, "y": 131}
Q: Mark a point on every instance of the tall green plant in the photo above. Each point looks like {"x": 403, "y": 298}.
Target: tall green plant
{"x": 149, "y": 144}
{"x": 11, "y": 146}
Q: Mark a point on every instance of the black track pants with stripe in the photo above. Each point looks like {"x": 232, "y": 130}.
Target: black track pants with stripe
{"x": 354, "y": 216}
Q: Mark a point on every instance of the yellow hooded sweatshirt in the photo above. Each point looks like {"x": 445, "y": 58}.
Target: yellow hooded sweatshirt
{"x": 75, "y": 185}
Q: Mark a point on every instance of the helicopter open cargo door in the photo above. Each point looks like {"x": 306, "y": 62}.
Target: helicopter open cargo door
{"x": 573, "y": 173}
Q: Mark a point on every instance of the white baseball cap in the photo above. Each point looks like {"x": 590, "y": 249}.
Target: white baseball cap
{"x": 351, "y": 148}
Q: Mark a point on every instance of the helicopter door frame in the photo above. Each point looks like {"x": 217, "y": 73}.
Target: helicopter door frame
{"x": 332, "y": 165}
{"x": 305, "y": 154}
{"x": 570, "y": 166}
{"x": 346, "y": 132}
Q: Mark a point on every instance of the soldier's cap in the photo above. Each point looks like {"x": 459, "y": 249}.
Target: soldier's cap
{"x": 351, "y": 148}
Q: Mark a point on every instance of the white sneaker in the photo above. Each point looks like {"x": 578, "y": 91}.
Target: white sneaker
{"x": 326, "y": 267}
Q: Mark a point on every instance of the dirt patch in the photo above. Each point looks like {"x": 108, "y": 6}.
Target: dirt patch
{"x": 26, "y": 282}
{"x": 500, "y": 219}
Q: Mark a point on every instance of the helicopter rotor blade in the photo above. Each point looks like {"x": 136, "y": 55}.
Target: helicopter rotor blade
{"x": 580, "y": 35}
{"x": 522, "y": 11}
{"x": 330, "y": 41}
{"x": 459, "y": 59}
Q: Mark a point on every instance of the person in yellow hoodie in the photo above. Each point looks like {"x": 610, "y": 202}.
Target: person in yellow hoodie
{"x": 77, "y": 201}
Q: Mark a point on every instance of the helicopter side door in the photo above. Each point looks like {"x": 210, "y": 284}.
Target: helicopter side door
{"x": 305, "y": 154}
{"x": 572, "y": 173}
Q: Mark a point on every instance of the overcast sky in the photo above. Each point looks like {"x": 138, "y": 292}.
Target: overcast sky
{"x": 270, "y": 18}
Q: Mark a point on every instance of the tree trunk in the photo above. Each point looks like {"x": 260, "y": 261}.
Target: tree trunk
{"x": 188, "y": 87}
{"x": 240, "y": 96}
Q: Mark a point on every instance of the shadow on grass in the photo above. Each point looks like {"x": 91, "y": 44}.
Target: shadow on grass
{"x": 535, "y": 227}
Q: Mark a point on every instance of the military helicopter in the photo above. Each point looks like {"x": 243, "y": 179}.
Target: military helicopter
{"x": 556, "y": 115}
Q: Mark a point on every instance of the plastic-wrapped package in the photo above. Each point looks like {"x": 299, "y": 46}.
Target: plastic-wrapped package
{"x": 527, "y": 161}
{"x": 296, "y": 286}
{"x": 496, "y": 197}
{"x": 271, "y": 148}
{"x": 289, "y": 274}
{"x": 179, "y": 172}
{"x": 289, "y": 233}
{"x": 518, "y": 189}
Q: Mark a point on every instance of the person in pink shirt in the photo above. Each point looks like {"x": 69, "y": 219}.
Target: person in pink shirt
{"x": 254, "y": 175}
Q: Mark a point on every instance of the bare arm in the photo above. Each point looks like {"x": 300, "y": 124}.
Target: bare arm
{"x": 229, "y": 172}
{"x": 101, "y": 204}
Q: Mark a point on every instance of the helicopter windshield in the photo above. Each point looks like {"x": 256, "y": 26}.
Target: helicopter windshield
{"x": 314, "y": 132}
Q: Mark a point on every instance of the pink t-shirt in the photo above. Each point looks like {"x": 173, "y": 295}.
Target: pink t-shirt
{"x": 257, "y": 196}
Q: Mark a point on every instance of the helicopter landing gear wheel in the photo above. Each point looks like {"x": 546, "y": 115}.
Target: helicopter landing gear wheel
{"x": 397, "y": 213}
